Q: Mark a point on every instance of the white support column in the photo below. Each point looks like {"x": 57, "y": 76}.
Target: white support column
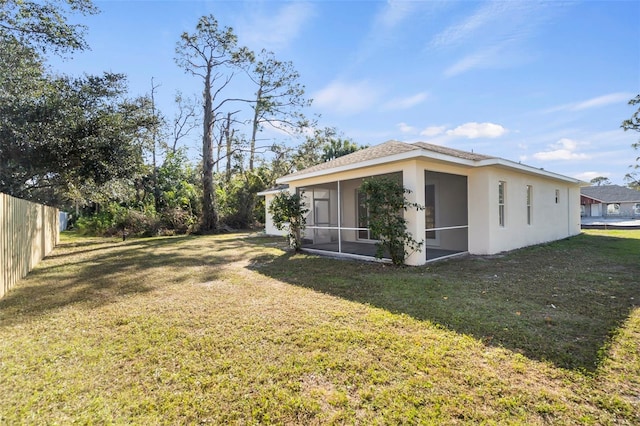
{"x": 413, "y": 180}
{"x": 339, "y": 219}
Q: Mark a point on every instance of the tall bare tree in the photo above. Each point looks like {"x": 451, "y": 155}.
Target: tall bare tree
{"x": 210, "y": 53}
{"x": 279, "y": 98}
{"x": 184, "y": 121}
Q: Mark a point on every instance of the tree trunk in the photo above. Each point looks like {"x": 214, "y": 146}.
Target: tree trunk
{"x": 209, "y": 221}
{"x": 156, "y": 187}
{"x": 229, "y": 138}
{"x": 254, "y": 131}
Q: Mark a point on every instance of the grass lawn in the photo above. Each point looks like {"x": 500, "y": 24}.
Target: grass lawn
{"x": 234, "y": 329}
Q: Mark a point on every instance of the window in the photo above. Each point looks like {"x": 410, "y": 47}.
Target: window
{"x": 557, "y": 196}
{"x": 529, "y": 203}
{"x": 613, "y": 209}
{"x": 636, "y": 208}
{"x": 501, "y": 199}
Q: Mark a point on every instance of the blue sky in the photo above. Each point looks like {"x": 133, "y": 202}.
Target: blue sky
{"x": 545, "y": 83}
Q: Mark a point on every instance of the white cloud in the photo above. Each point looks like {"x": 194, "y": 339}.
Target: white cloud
{"x": 482, "y": 59}
{"x": 475, "y": 130}
{"x": 599, "y": 101}
{"x": 495, "y": 20}
{"x": 278, "y": 28}
{"x": 492, "y": 35}
{"x": 458, "y": 33}
{"x": 407, "y": 102}
{"x": 394, "y": 13}
{"x": 347, "y": 97}
{"x": 405, "y": 128}
{"x": 433, "y": 131}
{"x": 587, "y": 176}
{"x": 564, "y": 149}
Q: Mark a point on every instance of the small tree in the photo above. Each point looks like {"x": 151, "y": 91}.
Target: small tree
{"x": 633, "y": 123}
{"x": 288, "y": 211}
{"x": 386, "y": 203}
{"x": 600, "y": 180}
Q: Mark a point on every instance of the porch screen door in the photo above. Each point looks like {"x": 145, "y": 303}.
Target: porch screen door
{"x": 322, "y": 218}
{"x": 430, "y": 210}
{"x": 363, "y": 217}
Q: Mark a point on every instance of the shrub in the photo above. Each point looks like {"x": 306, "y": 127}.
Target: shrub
{"x": 386, "y": 203}
{"x": 179, "y": 220}
{"x": 287, "y": 211}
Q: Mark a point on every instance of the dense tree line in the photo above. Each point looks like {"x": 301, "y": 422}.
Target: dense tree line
{"x": 83, "y": 143}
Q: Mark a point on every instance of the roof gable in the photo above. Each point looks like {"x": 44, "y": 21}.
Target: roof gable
{"x": 379, "y": 151}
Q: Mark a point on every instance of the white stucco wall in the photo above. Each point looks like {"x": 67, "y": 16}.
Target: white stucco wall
{"x": 269, "y": 227}
{"x": 550, "y": 220}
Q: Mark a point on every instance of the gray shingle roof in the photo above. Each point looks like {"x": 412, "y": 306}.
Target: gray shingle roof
{"x": 611, "y": 194}
{"x": 452, "y": 152}
{"x": 378, "y": 151}
{"x": 385, "y": 150}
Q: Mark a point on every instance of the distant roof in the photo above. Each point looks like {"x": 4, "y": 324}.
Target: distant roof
{"x": 611, "y": 194}
{"x": 397, "y": 151}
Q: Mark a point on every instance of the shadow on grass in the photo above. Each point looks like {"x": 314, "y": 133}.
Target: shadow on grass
{"x": 559, "y": 302}
{"x": 104, "y": 271}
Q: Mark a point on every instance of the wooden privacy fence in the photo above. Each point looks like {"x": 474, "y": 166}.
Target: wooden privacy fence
{"x": 28, "y": 232}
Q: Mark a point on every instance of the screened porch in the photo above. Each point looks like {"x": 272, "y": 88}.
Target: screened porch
{"x": 337, "y": 217}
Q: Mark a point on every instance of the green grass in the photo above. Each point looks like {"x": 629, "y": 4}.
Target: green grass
{"x": 233, "y": 329}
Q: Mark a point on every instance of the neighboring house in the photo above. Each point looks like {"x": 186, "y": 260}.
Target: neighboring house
{"x": 609, "y": 201}
{"x": 473, "y": 203}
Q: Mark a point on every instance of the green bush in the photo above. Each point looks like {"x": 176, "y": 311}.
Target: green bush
{"x": 113, "y": 219}
{"x": 386, "y": 203}
{"x": 288, "y": 212}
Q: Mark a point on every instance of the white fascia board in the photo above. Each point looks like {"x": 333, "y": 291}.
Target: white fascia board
{"x": 593, "y": 198}
{"x": 528, "y": 169}
{"x": 418, "y": 153}
{"x": 273, "y": 191}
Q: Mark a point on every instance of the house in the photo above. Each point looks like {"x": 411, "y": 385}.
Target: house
{"x": 609, "y": 201}
{"x": 473, "y": 203}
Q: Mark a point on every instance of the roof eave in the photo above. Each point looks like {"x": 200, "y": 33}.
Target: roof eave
{"x": 427, "y": 154}
{"x": 408, "y": 155}
{"x": 529, "y": 169}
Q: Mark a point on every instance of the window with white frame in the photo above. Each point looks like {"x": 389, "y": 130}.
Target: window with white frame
{"x": 529, "y": 204}
{"x": 501, "y": 202}
{"x": 613, "y": 209}
{"x": 636, "y": 208}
